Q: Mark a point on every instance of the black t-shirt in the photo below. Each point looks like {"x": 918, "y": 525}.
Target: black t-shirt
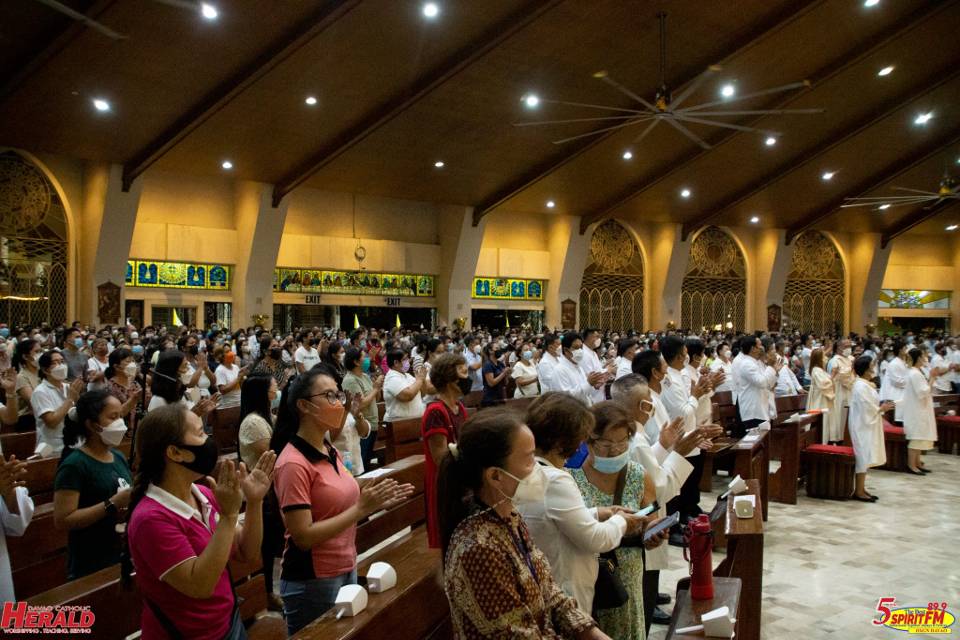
{"x": 498, "y": 391}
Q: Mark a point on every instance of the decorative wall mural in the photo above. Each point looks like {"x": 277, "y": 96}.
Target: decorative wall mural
{"x": 364, "y": 283}
{"x": 178, "y": 275}
{"x": 814, "y": 296}
{"x": 611, "y": 292}
{"x": 507, "y": 289}
{"x": 714, "y": 290}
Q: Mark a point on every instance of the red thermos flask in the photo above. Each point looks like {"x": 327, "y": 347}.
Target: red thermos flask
{"x": 699, "y": 538}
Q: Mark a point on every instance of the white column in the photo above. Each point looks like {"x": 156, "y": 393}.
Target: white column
{"x": 460, "y": 243}
{"x": 569, "y": 251}
{"x": 259, "y": 229}
{"x": 774, "y": 259}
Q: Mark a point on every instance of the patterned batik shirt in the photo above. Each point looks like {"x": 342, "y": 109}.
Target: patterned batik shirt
{"x": 499, "y": 584}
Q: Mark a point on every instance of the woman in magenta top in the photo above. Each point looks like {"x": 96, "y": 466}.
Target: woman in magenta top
{"x": 440, "y": 425}
{"x": 319, "y": 499}
{"x": 181, "y": 535}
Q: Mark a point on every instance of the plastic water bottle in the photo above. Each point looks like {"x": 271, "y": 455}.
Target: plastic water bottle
{"x": 348, "y": 461}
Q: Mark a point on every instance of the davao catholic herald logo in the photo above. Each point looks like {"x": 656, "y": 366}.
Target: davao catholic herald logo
{"x": 934, "y": 618}
{"x": 20, "y": 618}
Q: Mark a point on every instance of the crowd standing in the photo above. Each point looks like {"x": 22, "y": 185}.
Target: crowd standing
{"x": 520, "y": 505}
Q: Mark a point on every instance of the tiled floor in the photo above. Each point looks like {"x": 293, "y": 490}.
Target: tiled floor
{"x": 827, "y": 563}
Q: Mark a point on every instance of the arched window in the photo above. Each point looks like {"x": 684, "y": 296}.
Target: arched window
{"x": 33, "y": 245}
{"x": 714, "y": 290}
{"x": 814, "y": 296}
{"x": 611, "y": 295}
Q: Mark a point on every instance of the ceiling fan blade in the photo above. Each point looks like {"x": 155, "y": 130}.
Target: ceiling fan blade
{"x": 593, "y": 133}
{"x": 727, "y": 125}
{"x": 690, "y": 134}
{"x": 693, "y": 86}
{"x": 874, "y": 204}
{"x": 594, "y": 106}
{"x": 189, "y": 5}
{"x": 542, "y": 122}
{"x": 933, "y": 204}
{"x": 79, "y": 17}
{"x": 926, "y": 193}
{"x": 644, "y": 133}
{"x": 757, "y": 112}
{"x": 747, "y": 96}
{"x": 602, "y": 75}
{"x": 891, "y": 198}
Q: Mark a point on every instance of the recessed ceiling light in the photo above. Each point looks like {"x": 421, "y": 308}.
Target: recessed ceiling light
{"x": 551, "y": 204}
{"x": 531, "y": 100}
{"x": 951, "y": 227}
{"x": 226, "y": 164}
{"x": 438, "y": 164}
{"x": 728, "y": 90}
{"x": 311, "y": 100}
{"x": 628, "y": 155}
{"x": 886, "y": 70}
{"x": 685, "y": 193}
{"x": 870, "y": 3}
{"x": 101, "y": 105}
{"x": 884, "y": 206}
{"x": 770, "y": 141}
{"x": 755, "y": 219}
{"x": 828, "y": 175}
{"x": 208, "y": 11}
{"x": 431, "y": 10}
{"x": 923, "y": 118}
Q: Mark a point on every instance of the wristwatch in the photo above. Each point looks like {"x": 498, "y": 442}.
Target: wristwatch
{"x": 110, "y": 508}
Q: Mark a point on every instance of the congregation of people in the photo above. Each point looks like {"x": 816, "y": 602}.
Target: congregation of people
{"x": 526, "y": 508}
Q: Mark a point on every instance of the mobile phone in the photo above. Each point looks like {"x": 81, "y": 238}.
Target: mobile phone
{"x": 664, "y": 524}
{"x": 649, "y": 509}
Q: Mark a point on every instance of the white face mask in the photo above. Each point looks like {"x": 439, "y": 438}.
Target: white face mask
{"x": 533, "y": 488}
{"x": 130, "y": 370}
{"x": 112, "y": 434}
{"x": 186, "y": 377}
{"x": 577, "y": 355}
{"x": 847, "y": 352}
{"x": 59, "y": 372}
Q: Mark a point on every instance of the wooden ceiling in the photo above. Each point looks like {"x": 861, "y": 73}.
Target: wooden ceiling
{"x": 397, "y": 92}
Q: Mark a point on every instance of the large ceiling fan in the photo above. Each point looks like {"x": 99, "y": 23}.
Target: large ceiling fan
{"x": 948, "y": 189}
{"x": 667, "y": 108}
{"x": 189, "y": 5}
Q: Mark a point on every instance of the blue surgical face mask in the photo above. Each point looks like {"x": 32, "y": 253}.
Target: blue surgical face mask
{"x": 275, "y": 403}
{"x": 528, "y": 355}
{"x": 611, "y": 465}
{"x": 78, "y": 343}
{"x": 5, "y": 332}
{"x": 137, "y": 349}
{"x": 366, "y": 364}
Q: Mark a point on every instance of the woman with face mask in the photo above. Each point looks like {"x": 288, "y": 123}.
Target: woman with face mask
{"x": 495, "y": 376}
{"x": 271, "y": 361}
{"x": 442, "y": 421}
{"x": 92, "y": 486}
{"x": 357, "y": 381}
{"x": 525, "y": 373}
{"x": 334, "y": 357}
{"x": 97, "y": 365}
{"x": 52, "y": 399}
{"x": 26, "y": 361}
{"x": 229, "y": 376}
{"x": 608, "y": 466}
{"x": 401, "y": 391}
{"x": 121, "y": 375}
{"x": 919, "y": 422}
{"x": 320, "y": 501}
{"x": 498, "y": 582}
{"x": 169, "y": 382}
{"x": 201, "y": 375}
{"x": 181, "y": 535}
{"x": 866, "y": 425}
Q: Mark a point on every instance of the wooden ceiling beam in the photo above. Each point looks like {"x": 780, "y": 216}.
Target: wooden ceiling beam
{"x": 882, "y": 112}
{"x": 489, "y": 40}
{"x": 915, "y": 218}
{"x": 301, "y": 34}
{"x": 10, "y": 84}
{"x": 877, "y": 180}
{"x": 841, "y": 63}
{"x": 780, "y": 20}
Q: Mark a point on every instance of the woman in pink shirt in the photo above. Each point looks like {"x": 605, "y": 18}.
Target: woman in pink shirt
{"x": 181, "y": 535}
{"x": 320, "y": 501}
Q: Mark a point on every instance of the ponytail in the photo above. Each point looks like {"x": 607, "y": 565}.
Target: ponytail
{"x": 89, "y": 407}
{"x": 288, "y": 415}
{"x": 486, "y": 440}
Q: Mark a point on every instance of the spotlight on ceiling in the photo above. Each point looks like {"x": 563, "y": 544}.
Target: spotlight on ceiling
{"x": 685, "y": 193}
{"x": 311, "y": 100}
{"x": 754, "y": 219}
{"x": 886, "y": 71}
{"x": 208, "y": 11}
{"x": 438, "y": 164}
{"x": 226, "y": 164}
{"x": 828, "y": 175}
{"x": 951, "y": 227}
{"x": 531, "y": 100}
{"x": 884, "y": 206}
{"x": 770, "y": 141}
{"x": 431, "y": 10}
{"x": 923, "y": 118}
{"x": 628, "y": 155}
{"x": 870, "y": 3}
{"x": 551, "y": 204}
{"x": 728, "y": 90}
{"x": 101, "y": 105}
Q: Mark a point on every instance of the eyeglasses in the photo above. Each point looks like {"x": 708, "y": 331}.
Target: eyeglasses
{"x": 333, "y": 397}
{"x": 608, "y": 446}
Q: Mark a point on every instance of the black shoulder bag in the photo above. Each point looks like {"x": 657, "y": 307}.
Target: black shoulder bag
{"x": 609, "y": 592}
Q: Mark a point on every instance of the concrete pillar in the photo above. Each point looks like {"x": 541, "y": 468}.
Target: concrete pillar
{"x": 460, "y": 243}
{"x": 569, "y": 252}
{"x": 772, "y": 263}
{"x": 669, "y": 256}
{"x": 867, "y": 265}
{"x": 259, "y": 229}
{"x": 104, "y": 234}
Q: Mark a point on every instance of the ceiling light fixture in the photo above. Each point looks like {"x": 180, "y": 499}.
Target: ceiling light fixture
{"x": 438, "y": 164}
{"x": 884, "y": 206}
{"x": 828, "y": 175}
{"x": 551, "y": 204}
{"x": 770, "y": 141}
{"x": 431, "y": 10}
{"x": 923, "y": 118}
{"x": 311, "y": 100}
{"x": 226, "y": 164}
{"x": 628, "y": 155}
{"x": 951, "y": 227}
{"x": 531, "y": 100}
{"x": 886, "y": 71}
{"x": 208, "y": 11}
{"x": 870, "y": 3}
{"x": 101, "y": 105}
{"x": 755, "y": 219}
{"x": 727, "y": 91}
{"x": 685, "y": 193}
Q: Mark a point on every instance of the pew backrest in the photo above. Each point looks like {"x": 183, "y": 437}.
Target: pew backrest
{"x": 21, "y": 445}
{"x": 402, "y": 438}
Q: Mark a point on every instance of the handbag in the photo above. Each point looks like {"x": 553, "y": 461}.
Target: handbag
{"x": 609, "y": 592}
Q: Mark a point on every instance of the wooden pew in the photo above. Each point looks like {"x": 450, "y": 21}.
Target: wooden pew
{"x": 410, "y": 513}
{"x": 225, "y": 427}
{"x": 752, "y": 462}
{"x": 787, "y": 440}
{"x": 21, "y": 444}
{"x": 472, "y": 399}
{"x": 402, "y": 439}
{"x": 744, "y": 560}
{"x": 687, "y": 612}
{"x": 520, "y": 404}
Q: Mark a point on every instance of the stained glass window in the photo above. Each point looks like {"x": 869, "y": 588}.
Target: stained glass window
{"x": 364, "y": 283}
{"x": 178, "y": 275}
{"x": 910, "y": 299}
{"x": 507, "y": 289}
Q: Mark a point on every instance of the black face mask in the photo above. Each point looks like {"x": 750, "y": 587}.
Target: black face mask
{"x": 194, "y": 350}
{"x": 204, "y": 456}
{"x": 465, "y": 384}
{"x": 276, "y": 353}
